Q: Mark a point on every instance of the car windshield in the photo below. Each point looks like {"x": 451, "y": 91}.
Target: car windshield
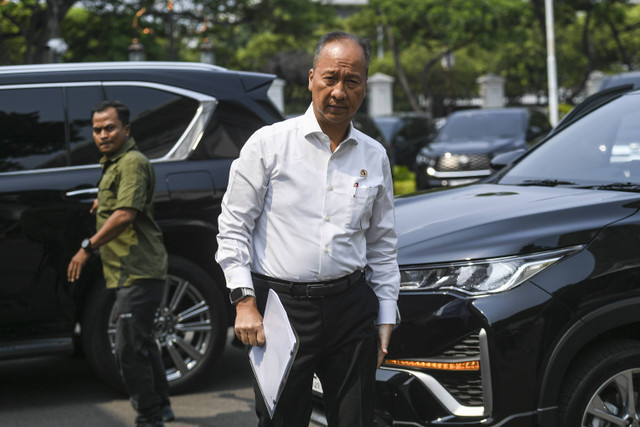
{"x": 466, "y": 126}
{"x": 601, "y": 150}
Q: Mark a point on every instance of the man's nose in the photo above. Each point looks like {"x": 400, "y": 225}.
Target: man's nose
{"x": 338, "y": 90}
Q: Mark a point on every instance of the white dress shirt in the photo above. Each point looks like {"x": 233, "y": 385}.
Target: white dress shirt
{"x": 294, "y": 210}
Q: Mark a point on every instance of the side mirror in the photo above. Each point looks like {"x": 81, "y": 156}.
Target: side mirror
{"x": 505, "y": 159}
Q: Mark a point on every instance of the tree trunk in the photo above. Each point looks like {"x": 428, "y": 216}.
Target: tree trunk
{"x": 401, "y": 75}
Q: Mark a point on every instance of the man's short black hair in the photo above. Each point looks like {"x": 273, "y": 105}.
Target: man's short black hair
{"x": 121, "y": 109}
{"x": 341, "y": 35}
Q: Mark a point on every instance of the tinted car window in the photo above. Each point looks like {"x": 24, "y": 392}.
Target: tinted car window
{"x": 158, "y": 118}
{"x": 603, "y": 148}
{"x": 473, "y": 125}
{"x": 227, "y": 132}
{"x": 33, "y": 133}
{"x": 80, "y": 101}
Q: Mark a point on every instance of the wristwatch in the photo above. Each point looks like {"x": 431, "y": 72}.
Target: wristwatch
{"x": 238, "y": 293}
{"x": 86, "y": 245}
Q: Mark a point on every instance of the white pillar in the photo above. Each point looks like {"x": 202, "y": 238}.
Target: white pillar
{"x": 276, "y": 94}
{"x": 380, "y": 95}
{"x": 552, "y": 72}
{"x": 491, "y": 90}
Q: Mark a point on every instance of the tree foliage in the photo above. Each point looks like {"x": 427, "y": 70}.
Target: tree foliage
{"x": 504, "y": 37}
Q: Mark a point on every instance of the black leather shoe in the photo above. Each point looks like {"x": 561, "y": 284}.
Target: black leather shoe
{"x": 167, "y": 414}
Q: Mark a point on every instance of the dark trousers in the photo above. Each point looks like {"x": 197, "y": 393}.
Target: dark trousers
{"x": 338, "y": 342}
{"x": 137, "y": 352}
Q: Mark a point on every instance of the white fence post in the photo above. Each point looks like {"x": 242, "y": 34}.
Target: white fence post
{"x": 380, "y": 95}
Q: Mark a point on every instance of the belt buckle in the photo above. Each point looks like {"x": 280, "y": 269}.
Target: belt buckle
{"x": 314, "y": 286}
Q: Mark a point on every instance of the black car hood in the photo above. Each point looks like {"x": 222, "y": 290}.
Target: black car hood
{"x": 489, "y": 220}
{"x": 474, "y": 146}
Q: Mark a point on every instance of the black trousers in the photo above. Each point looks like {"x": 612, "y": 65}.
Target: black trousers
{"x": 338, "y": 342}
{"x": 137, "y": 352}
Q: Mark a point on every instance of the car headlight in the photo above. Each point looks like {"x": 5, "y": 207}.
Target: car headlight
{"x": 480, "y": 277}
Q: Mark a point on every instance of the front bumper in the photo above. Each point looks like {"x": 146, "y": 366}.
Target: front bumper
{"x": 397, "y": 394}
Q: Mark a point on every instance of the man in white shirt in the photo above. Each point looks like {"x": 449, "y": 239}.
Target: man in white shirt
{"x": 309, "y": 213}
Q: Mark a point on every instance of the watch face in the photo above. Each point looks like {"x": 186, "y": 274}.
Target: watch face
{"x": 86, "y": 244}
{"x": 238, "y": 293}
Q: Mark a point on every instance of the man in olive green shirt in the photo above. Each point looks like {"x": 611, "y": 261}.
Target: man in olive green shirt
{"x": 134, "y": 259}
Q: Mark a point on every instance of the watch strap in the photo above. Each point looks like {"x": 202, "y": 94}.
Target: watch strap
{"x": 237, "y": 294}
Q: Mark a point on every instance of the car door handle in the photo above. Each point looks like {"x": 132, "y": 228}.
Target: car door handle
{"x": 82, "y": 194}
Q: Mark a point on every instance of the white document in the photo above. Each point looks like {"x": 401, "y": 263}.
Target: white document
{"x": 272, "y": 362}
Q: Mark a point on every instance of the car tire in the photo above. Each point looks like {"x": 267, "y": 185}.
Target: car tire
{"x": 191, "y": 326}
{"x": 595, "y": 391}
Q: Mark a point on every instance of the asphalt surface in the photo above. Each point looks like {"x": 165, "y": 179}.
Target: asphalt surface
{"x": 63, "y": 391}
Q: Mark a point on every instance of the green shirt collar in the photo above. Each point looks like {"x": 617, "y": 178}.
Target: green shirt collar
{"x": 129, "y": 145}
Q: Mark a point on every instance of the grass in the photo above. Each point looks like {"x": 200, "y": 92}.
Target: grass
{"x": 404, "y": 181}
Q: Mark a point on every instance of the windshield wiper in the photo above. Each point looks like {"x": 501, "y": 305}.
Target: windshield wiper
{"x": 546, "y": 182}
{"x": 620, "y": 186}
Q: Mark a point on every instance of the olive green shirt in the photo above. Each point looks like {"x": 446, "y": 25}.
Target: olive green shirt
{"x": 128, "y": 181}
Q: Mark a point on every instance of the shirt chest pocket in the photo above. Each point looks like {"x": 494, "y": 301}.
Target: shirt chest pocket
{"x": 361, "y": 207}
{"x": 108, "y": 190}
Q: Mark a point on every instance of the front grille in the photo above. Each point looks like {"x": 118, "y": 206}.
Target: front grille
{"x": 465, "y": 387}
{"x": 466, "y": 347}
{"x": 463, "y": 162}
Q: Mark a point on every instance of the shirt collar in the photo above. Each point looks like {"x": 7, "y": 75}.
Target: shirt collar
{"x": 129, "y": 145}
{"x": 310, "y": 126}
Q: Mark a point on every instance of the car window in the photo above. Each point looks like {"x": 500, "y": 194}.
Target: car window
{"x": 32, "y": 132}
{"x": 229, "y": 129}
{"x": 158, "y": 117}
{"x": 80, "y": 102}
{"x": 602, "y": 147}
{"x": 465, "y": 126}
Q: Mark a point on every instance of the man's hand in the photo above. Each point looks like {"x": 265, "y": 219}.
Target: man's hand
{"x": 384, "y": 335}
{"x": 248, "y": 327}
{"x": 75, "y": 266}
{"x": 94, "y": 206}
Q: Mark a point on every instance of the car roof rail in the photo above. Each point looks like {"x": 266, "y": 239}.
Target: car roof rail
{"x": 591, "y": 103}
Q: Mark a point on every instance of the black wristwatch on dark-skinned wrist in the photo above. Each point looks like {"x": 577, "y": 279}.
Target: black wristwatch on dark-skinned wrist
{"x": 86, "y": 245}
{"x": 237, "y": 294}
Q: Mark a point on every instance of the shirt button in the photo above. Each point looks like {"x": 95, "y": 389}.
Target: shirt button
{"x": 331, "y": 188}
{"x": 326, "y": 250}
{"x": 327, "y": 219}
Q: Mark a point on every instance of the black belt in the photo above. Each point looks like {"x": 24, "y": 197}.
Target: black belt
{"x": 311, "y": 289}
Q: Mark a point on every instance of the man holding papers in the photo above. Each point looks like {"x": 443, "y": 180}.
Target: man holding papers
{"x": 308, "y": 213}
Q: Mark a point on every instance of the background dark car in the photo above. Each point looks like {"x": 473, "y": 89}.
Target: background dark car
{"x": 462, "y": 150}
{"x": 630, "y": 77}
{"x": 191, "y": 120}
{"x": 406, "y": 133}
{"x": 520, "y": 296}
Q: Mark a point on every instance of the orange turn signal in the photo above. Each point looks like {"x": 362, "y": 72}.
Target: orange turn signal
{"x": 472, "y": 365}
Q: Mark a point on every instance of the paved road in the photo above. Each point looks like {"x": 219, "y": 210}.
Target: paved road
{"x": 63, "y": 391}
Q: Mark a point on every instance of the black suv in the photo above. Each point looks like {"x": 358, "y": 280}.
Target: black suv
{"x": 520, "y": 296}
{"x": 462, "y": 150}
{"x": 191, "y": 120}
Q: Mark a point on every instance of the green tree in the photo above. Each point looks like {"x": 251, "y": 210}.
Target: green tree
{"x": 438, "y": 28}
{"x": 27, "y": 26}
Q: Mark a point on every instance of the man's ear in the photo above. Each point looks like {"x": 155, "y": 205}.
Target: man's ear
{"x": 310, "y": 77}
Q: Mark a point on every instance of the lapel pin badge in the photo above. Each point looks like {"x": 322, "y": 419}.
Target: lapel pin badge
{"x": 363, "y": 173}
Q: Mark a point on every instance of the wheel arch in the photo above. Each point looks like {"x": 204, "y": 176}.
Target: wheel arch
{"x": 195, "y": 241}
{"x": 612, "y": 321}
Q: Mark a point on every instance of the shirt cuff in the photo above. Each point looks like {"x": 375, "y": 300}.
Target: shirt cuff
{"x": 238, "y": 278}
{"x": 387, "y": 313}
